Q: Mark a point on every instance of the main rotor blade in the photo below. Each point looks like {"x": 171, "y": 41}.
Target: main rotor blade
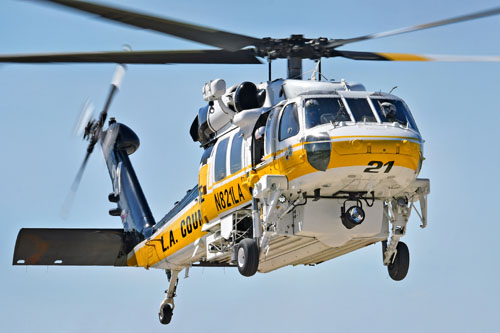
{"x": 209, "y": 36}
{"x": 140, "y": 57}
{"x": 463, "y": 18}
{"x": 385, "y": 56}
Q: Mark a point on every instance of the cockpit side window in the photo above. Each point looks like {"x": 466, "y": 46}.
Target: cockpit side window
{"x": 235, "y": 154}
{"x": 321, "y": 111}
{"x": 220, "y": 160}
{"x": 361, "y": 110}
{"x": 391, "y": 111}
{"x": 289, "y": 122}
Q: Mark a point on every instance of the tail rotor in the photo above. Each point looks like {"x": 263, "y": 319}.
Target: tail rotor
{"x": 92, "y": 129}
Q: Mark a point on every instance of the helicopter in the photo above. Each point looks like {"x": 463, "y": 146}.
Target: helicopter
{"x": 259, "y": 212}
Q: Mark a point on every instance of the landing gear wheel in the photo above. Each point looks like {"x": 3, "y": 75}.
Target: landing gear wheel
{"x": 248, "y": 257}
{"x": 165, "y": 314}
{"x": 399, "y": 267}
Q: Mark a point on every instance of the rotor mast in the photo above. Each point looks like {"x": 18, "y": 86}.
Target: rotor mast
{"x": 294, "y": 68}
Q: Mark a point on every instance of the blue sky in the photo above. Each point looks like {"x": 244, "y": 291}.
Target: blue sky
{"x": 452, "y": 284}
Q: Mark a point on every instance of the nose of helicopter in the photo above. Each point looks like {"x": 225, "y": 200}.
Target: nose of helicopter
{"x": 364, "y": 146}
{"x": 403, "y": 152}
{"x": 362, "y": 162}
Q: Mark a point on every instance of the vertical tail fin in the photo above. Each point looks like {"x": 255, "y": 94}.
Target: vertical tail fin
{"x": 119, "y": 141}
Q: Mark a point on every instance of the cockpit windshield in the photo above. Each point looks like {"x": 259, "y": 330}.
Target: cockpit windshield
{"x": 332, "y": 110}
{"x": 361, "y": 110}
{"x": 394, "y": 111}
{"x": 324, "y": 111}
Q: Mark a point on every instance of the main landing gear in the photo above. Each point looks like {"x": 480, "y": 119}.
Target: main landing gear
{"x": 248, "y": 257}
{"x": 167, "y": 306}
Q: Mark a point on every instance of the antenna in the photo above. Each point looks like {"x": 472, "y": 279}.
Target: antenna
{"x": 393, "y": 88}
{"x": 269, "y": 67}
{"x": 317, "y": 71}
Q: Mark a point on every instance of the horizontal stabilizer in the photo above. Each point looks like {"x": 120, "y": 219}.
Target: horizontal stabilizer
{"x": 76, "y": 247}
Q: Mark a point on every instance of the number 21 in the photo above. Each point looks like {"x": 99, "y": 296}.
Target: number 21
{"x": 376, "y": 165}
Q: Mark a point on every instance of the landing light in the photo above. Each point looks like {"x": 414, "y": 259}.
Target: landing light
{"x": 354, "y": 216}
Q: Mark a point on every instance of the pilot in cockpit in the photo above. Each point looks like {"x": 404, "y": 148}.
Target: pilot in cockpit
{"x": 313, "y": 113}
{"x": 389, "y": 111}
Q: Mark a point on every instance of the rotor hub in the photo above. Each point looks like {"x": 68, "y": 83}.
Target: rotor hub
{"x": 296, "y": 46}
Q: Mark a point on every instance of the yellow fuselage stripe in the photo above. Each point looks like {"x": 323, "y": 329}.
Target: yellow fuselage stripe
{"x": 228, "y": 195}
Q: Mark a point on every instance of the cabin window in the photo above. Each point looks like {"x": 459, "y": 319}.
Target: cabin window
{"x": 258, "y": 144}
{"x": 220, "y": 160}
{"x": 235, "y": 154}
{"x": 390, "y": 111}
{"x": 289, "y": 123}
{"x": 361, "y": 110}
{"x": 321, "y": 111}
{"x": 269, "y": 134}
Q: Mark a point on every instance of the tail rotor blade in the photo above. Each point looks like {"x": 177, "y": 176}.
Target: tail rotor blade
{"x": 118, "y": 76}
{"x": 83, "y": 119}
{"x": 115, "y": 86}
{"x": 68, "y": 202}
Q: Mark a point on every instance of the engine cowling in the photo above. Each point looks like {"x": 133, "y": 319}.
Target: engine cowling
{"x": 222, "y": 107}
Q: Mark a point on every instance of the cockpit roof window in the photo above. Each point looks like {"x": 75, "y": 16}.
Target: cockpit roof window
{"x": 319, "y": 111}
{"x": 361, "y": 110}
{"x": 394, "y": 111}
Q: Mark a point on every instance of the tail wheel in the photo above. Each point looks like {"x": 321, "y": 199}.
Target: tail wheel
{"x": 165, "y": 314}
{"x": 248, "y": 257}
{"x": 401, "y": 263}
